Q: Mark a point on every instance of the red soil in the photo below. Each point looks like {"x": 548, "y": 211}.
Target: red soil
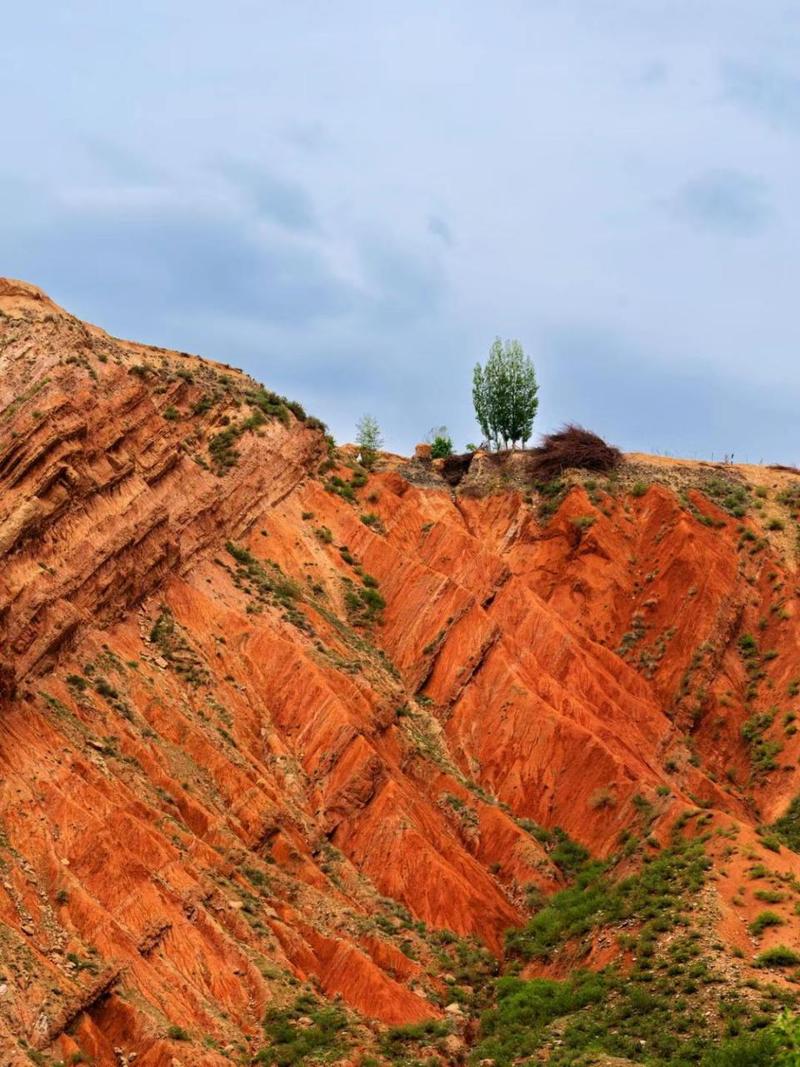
{"x": 129, "y": 822}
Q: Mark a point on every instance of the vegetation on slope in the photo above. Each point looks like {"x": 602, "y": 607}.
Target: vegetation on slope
{"x": 666, "y": 1004}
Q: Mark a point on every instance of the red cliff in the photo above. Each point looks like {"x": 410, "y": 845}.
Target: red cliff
{"x": 262, "y": 717}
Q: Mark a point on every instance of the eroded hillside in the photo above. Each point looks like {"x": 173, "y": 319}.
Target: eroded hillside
{"x": 274, "y": 727}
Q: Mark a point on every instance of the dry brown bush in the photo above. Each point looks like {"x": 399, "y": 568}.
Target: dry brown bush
{"x": 572, "y": 446}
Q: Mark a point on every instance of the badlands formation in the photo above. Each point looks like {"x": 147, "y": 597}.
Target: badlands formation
{"x": 293, "y": 754}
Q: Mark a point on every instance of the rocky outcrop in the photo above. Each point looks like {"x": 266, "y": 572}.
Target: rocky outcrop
{"x": 269, "y": 724}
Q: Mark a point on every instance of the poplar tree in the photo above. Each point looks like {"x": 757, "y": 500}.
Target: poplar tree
{"x": 369, "y": 439}
{"x": 504, "y": 393}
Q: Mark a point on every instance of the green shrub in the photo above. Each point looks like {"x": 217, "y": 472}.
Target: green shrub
{"x": 750, "y": 1050}
{"x": 732, "y": 497}
{"x": 593, "y": 901}
{"x": 399, "y": 1036}
{"x": 769, "y": 896}
{"x": 748, "y": 646}
{"x": 373, "y": 599}
{"x": 293, "y": 1043}
{"x": 763, "y": 921}
{"x": 269, "y": 403}
{"x": 584, "y": 522}
{"x": 105, "y": 689}
{"x": 442, "y": 444}
{"x": 568, "y": 855}
{"x": 512, "y": 1031}
{"x": 787, "y": 828}
{"x": 241, "y": 555}
{"x": 778, "y": 956}
{"x": 342, "y": 488}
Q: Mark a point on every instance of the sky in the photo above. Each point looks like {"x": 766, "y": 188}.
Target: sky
{"x": 350, "y": 200}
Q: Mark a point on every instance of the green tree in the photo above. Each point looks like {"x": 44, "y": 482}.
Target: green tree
{"x": 369, "y": 439}
{"x": 504, "y": 393}
{"x": 441, "y": 442}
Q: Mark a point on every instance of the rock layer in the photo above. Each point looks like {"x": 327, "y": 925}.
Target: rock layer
{"x": 226, "y": 769}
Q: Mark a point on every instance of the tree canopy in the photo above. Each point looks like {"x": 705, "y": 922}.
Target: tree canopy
{"x": 369, "y": 439}
{"x": 504, "y": 393}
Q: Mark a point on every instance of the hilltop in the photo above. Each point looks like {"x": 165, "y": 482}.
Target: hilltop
{"x": 282, "y": 737}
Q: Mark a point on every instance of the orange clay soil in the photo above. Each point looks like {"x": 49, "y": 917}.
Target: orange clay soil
{"x": 221, "y": 774}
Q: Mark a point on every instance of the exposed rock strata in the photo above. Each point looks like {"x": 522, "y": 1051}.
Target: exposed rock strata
{"x": 211, "y": 780}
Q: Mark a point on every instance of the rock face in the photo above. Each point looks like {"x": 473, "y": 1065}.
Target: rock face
{"x": 261, "y": 716}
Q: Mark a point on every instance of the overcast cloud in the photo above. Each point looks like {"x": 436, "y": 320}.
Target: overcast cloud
{"x": 350, "y": 200}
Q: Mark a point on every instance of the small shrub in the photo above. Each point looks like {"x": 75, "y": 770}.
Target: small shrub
{"x": 787, "y": 828}
{"x": 583, "y": 522}
{"x": 748, "y": 646}
{"x": 601, "y": 798}
{"x": 373, "y": 599}
{"x": 748, "y": 1050}
{"x": 769, "y": 896}
{"x": 105, "y": 689}
{"x": 764, "y": 920}
{"x": 778, "y": 956}
{"x": 441, "y": 443}
{"x": 291, "y": 1042}
{"x": 398, "y": 1036}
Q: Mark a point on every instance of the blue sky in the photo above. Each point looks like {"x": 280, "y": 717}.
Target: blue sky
{"x": 351, "y": 200}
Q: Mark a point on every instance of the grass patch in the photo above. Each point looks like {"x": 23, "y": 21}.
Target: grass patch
{"x": 306, "y": 1032}
{"x": 763, "y": 921}
{"x": 787, "y": 828}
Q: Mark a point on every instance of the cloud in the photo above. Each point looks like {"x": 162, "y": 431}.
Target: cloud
{"x": 441, "y": 229}
{"x": 287, "y": 195}
{"x": 284, "y": 202}
{"x": 764, "y": 91}
{"x": 654, "y": 402}
{"x": 184, "y": 268}
{"x": 152, "y": 263}
{"x": 311, "y": 137}
{"x": 117, "y": 163}
{"x": 723, "y": 201}
{"x": 652, "y": 74}
{"x": 405, "y": 285}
